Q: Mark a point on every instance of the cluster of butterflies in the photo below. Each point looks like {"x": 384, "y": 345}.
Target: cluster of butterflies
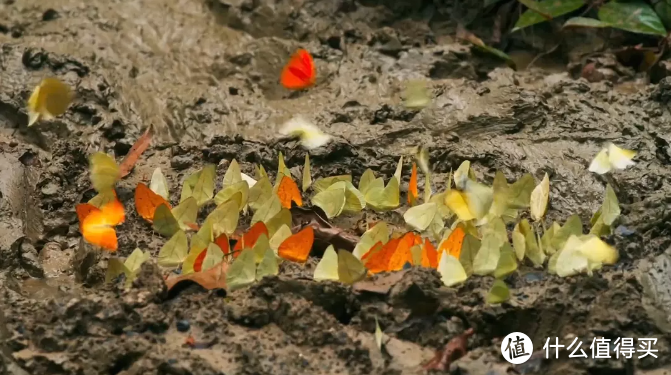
{"x": 476, "y": 242}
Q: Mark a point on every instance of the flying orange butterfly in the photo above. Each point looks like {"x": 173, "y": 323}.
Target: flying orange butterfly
{"x": 413, "y": 193}
{"x": 297, "y": 247}
{"x": 299, "y": 73}
{"x": 97, "y": 225}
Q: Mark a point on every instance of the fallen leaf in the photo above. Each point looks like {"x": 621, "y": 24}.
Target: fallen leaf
{"x": 379, "y": 285}
{"x": 214, "y": 278}
{"x": 135, "y": 152}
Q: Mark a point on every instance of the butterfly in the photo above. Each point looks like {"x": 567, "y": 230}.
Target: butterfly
{"x": 97, "y": 224}
{"x": 612, "y": 157}
{"x": 299, "y": 73}
{"x": 50, "y": 99}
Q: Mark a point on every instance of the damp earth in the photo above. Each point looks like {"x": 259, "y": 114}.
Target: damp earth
{"x": 205, "y": 75}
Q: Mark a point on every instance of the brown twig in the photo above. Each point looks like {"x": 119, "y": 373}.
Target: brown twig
{"x": 453, "y": 350}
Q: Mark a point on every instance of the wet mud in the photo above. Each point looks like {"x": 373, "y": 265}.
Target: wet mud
{"x": 205, "y": 75}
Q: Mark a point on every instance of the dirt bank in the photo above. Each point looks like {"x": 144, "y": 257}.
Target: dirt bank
{"x": 205, "y": 75}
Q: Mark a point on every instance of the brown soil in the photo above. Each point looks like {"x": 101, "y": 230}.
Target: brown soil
{"x": 205, "y": 74}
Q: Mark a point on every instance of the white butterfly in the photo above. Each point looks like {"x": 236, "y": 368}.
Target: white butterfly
{"x": 612, "y": 157}
{"x": 310, "y": 135}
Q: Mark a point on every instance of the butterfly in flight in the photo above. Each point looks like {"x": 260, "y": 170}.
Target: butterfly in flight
{"x": 299, "y": 73}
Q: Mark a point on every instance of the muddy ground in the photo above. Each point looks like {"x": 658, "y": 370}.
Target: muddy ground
{"x": 205, "y": 74}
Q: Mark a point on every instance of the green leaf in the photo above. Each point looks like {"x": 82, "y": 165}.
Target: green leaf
{"x": 498, "y": 53}
{"x": 663, "y": 10}
{"x": 537, "y": 7}
{"x": 491, "y": 2}
{"x": 499, "y": 293}
{"x": 610, "y": 209}
{"x": 637, "y": 17}
{"x": 553, "y": 8}
{"x": 585, "y": 22}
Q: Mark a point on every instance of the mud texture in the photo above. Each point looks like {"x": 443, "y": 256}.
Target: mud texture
{"x": 205, "y": 74}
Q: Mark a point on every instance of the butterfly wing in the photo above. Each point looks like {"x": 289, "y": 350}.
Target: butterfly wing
{"x": 98, "y": 225}
{"x": 297, "y": 247}
{"x": 146, "y": 202}
{"x": 299, "y": 73}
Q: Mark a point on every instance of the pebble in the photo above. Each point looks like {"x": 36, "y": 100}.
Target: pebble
{"x": 183, "y": 325}
{"x": 624, "y": 231}
{"x": 181, "y": 162}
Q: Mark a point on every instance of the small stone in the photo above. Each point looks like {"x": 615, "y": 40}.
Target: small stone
{"x": 183, "y": 325}
{"x": 181, "y": 162}
{"x": 49, "y": 14}
{"x": 50, "y": 189}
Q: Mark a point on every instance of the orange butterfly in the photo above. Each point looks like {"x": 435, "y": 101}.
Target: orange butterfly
{"x": 373, "y": 250}
{"x": 297, "y": 247}
{"x": 379, "y": 261}
{"x": 146, "y": 202}
{"x": 299, "y": 73}
{"x": 222, "y": 242}
{"x": 453, "y": 243}
{"x": 249, "y": 239}
{"x": 198, "y": 262}
{"x": 429, "y": 255}
{"x": 288, "y": 191}
{"x": 413, "y": 192}
{"x": 402, "y": 254}
{"x": 97, "y": 225}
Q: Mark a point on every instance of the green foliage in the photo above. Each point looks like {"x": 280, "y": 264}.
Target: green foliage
{"x": 553, "y": 8}
{"x": 585, "y": 22}
{"x": 637, "y": 17}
